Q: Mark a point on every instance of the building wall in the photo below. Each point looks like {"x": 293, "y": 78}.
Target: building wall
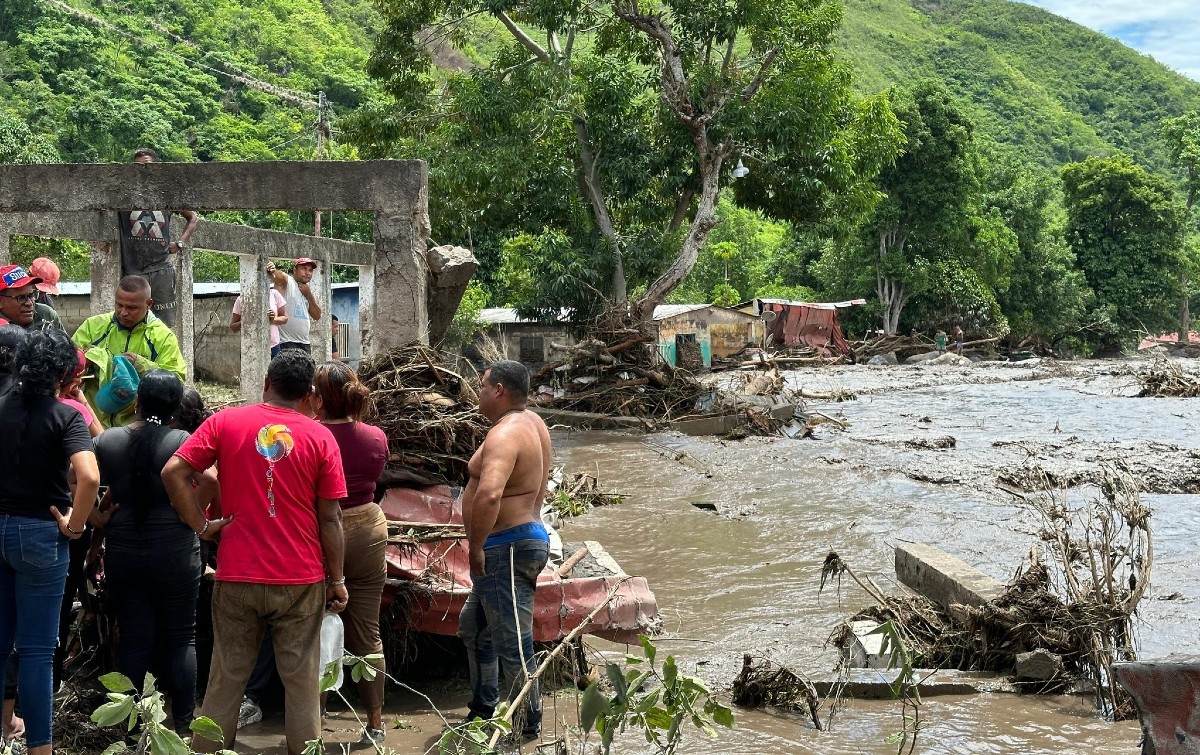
{"x": 507, "y": 336}
{"x": 695, "y": 322}
{"x": 730, "y": 331}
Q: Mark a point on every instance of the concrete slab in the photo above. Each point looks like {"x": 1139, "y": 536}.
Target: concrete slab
{"x": 875, "y": 684}
{"x": 866, "y": 650}
{"x": 942, "y": 578}
{"x": 593, "y": 420}
{"x": 1167, "y": 694}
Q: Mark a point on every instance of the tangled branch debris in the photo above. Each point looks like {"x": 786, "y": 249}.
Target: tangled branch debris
{"x": 1079, "y": 606}
{"x": 1165, "y": 378}
{"x": 617, "y": 371}
{"x": 428, "y": 413}
{"x": 577, "y": 495}
{"x": 764, "y": 683}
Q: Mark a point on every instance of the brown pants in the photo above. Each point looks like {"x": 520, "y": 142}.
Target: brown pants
{"x": 241, "y": 614}
{"x": 365, "y": 530}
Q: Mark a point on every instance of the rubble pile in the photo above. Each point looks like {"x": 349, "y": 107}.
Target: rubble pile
{"x": 617, "y": 372}
{"x": 576, "y": 495}
{"x": 428, "y": 413}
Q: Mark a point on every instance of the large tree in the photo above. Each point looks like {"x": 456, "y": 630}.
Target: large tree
{"x": 635, "y": 114}
{"x": 1126, "y": 229}
{"x": 1182, "y": 135}
{"x": 928, "y": 193}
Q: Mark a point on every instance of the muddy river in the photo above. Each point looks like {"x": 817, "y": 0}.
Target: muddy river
{"x": 746, "y": 580}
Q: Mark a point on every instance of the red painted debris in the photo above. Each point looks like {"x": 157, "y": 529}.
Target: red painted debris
{"x": 1165, "y": 693}
{"x": 442, "y": 569}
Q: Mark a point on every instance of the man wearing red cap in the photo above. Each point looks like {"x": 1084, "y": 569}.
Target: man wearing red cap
{"x": 18, "y": 305}
{"x": 302, "y": 307}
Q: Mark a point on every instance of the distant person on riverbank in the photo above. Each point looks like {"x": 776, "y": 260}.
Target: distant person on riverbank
{"x": 146, "y": 247}
{"x": 302, "y": 307}
{"x": 958, "y": 339}
{"x": 940, "y": 340}
{"x": 508, "y": 545}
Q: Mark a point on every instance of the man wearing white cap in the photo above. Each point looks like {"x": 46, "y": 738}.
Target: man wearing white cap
{"x": 302, "y": 306}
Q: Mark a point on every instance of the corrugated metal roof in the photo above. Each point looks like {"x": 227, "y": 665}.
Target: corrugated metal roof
{"x": 813, "y": 304}
{"x": 500, "y": 316}
{"x": 663, "y": 311}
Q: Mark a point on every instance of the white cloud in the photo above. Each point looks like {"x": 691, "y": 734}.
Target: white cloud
{"x": 1164, "y": 29}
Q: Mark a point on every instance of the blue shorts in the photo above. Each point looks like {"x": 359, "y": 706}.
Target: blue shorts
{"x": 528, "y": 531}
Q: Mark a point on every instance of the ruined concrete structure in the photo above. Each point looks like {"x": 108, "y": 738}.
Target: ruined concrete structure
{"x": 396, "y": 272}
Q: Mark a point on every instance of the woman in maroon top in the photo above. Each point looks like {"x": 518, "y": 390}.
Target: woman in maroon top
{"x": 340, "y": 403}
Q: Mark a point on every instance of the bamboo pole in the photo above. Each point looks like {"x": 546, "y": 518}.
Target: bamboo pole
{"x": 520, "y": 698}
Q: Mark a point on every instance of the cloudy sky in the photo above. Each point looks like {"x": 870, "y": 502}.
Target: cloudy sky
{"x": 1168, "y": 30}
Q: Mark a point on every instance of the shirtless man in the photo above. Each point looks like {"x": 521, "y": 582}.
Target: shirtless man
{"x": 509, "y": 545}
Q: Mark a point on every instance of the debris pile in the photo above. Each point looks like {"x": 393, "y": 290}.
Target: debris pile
{"x": 1076, "y": 609}
{"x": 617, "y": 372}
{"x": 1165, "y": 378}
{"x": 762, "y": 682}
{"x": 577, "y": 495}
{"x": 428, "y": 413}
{"x": 902, "y": 346}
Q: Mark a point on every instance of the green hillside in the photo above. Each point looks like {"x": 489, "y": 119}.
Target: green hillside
{"x": 1055, "y": 90}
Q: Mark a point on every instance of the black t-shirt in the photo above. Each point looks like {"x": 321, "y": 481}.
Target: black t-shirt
{"x": 145, "y": 240}
{"x": 115, "y": 451}
{"x": 38, "y": 437}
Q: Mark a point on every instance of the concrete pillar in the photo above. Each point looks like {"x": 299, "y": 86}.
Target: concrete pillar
{"x": 185, "y": 315}
{"x": 450, "y": 270}
{"x": 366, "y": 308}
{"x": 400, "y": 304}
{"x": 106, "y": 274}
{"x": 256, "y": 330}
{"x": 5, "y": 240}
{"x": 322, "y": 288}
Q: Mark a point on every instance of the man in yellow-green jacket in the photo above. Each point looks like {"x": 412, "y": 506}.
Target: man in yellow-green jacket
{"x": 133, "y": 331}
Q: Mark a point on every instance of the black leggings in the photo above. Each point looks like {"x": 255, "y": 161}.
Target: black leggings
{"x": 152, "y": 585}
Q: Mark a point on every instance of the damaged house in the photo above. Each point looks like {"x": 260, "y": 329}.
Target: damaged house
{"x": 791, "y": 324}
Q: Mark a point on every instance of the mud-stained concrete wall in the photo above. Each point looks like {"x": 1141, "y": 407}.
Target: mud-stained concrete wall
{"x": 694, "y": 323}
{"x": 730, "y": 331}
{"x": 526, "y": 342}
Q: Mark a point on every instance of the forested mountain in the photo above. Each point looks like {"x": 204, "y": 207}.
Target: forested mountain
{"x": 1056, "y": 91}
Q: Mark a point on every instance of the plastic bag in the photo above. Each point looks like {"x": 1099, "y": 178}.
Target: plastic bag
{"x": 333, "y": 645}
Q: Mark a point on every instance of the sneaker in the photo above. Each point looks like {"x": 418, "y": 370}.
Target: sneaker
{"x": 372, "y": 736}
{"x": 249, "y": 713}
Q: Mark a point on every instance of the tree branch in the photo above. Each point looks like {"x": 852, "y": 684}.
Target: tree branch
{"x": 753, "y": 87}
{"x": 521, "y": 36}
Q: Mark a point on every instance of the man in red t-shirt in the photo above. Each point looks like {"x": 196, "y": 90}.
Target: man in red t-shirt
{"x": 281, "y": 479}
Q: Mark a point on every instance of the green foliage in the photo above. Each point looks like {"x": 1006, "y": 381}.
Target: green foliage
{"x": 129, "y": 709}
{"x": 1127, "y": 231}
{"x": 466, "y": 317}
{"x": 656, "y": 700}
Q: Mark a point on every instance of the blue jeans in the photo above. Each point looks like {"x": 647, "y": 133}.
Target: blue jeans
{"x": 490, "y": 631}
{"x": 33, "y": 571}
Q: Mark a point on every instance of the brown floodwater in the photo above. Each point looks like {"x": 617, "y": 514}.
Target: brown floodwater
{"x": 746, "y": 581}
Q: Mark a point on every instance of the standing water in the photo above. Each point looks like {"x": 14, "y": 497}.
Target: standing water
{"x": 745, "y": 581}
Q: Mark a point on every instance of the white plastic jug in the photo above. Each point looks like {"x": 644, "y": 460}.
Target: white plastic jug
{"x": 333, "y": 644}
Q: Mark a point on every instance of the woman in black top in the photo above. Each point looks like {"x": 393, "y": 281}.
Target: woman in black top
{"x": 152, "y": 559}
{"x": 40, "y": 440}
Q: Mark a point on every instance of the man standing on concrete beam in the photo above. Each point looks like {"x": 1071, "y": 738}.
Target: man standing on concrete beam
{"x": 146, "y": 247}
{"x": 122, "y": 345}
{"x": 302, "y": 307}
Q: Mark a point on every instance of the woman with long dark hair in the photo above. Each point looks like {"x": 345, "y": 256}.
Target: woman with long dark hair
{"x": 41, "y": 440}
{"x": 152, "y": 559}
{"x": 341, "y": 400}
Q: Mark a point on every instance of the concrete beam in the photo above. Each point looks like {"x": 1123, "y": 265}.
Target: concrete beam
{"x": 877, "y": 684}
{"x": 185, "y": 315}
{"x": 942, "y": 578}
{"x": 241, "y": 239}
{"x": 392, "y": 185}
{"x": 79, "y": 226}
{"x": 1165, "y": 692}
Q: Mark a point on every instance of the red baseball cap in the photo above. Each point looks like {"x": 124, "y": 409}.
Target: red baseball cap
{"x": 44, "y": 268}
{"x": 305, "y": 261}
{"x": 14, "y": 276}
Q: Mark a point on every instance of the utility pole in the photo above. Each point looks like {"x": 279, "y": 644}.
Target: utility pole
{"x": 322, "y": 135}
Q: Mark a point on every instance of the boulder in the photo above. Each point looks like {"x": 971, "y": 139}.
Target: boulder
{"x": 918, "y": 358}
{"x": 953, "y": 360}
{"x": 1039, "y": 666}
{"x": 881, "y": 360}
